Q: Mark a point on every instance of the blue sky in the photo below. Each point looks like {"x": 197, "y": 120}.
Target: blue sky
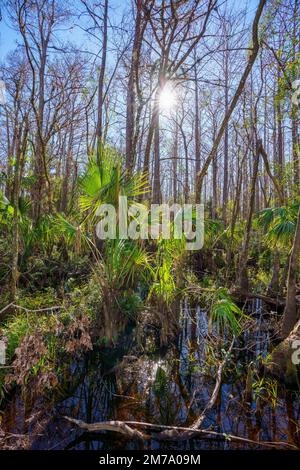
{"x": 8, "y": 37}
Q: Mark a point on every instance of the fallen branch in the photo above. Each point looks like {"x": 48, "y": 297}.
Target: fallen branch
{"x": 168, "y": 433}
{"x": 251, "y": 295}
{"x": 176, "y": 432}
{"x": 123, "y": 427}
{"x": 114, "y": 426}
{"x": 6, "y": 308}
{"x": 38, "y": 310}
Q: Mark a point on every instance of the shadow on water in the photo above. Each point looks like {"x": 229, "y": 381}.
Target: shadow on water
{"x": 170, "y": 388}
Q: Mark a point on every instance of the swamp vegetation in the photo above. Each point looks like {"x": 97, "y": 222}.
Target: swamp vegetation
{"x": 143, "y": 344}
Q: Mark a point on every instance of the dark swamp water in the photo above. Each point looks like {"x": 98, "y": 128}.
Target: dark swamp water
{"x": 171, "y": 388}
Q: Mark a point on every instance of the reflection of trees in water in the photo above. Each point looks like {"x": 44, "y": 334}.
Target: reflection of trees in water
{"x": 170, "y": 388}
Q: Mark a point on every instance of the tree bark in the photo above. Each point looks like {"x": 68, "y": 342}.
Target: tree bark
{"x": 131, "y": 90}
{"x": 242, "y": 280}
{"x": 21, "y": 143}
{"x": 99, "y": 128}
{"x": 156, "y": 195}
{"x": 197, "y": 128}
{"x": 290, "y": 313}
{"x": 226, "y": 139}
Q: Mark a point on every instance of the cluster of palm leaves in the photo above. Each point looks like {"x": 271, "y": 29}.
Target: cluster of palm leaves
{"x": 107, "y": 182}
{"x": 165, "y": 271}
{"x": 119, "y": 265}
{"x": 224, "y": 313}
{"x": 123, "y": 265}
{"x": 279, "y": 224}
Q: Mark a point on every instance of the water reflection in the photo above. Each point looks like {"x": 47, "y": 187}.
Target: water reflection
{"x": 170, "y": 388}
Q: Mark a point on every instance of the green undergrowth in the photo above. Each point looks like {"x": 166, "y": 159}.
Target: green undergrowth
{"x": 42, "y": 340}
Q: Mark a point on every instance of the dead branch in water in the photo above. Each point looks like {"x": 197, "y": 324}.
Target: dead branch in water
{"x": 278, "y": 302}
{"x": 169, "y": 432}
{"x": 125, "y": 427}
{"x": 114, "y": 426}
{"x": 128, "y": 428}
{"x": 172, "y": 432}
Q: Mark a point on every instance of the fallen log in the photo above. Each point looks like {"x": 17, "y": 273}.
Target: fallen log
{"x": 114, "y": 426}
{"x": 172, "y": 433}
{"x": 123, "y": 427}
{"x": 128, "y": 428}
{"x": 239, "y": 295}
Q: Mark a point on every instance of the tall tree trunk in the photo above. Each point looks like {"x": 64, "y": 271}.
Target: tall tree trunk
{"x": 174, "y": 163}
{"x": 21, "y": 143}
{"x": 214, "y": 204}
{"x": 155, "y": 131}
{"x": 156, "y": 195}
{"x": 67, "y": 172}
{"x": 15, "y": 224}
{"x": 197, "y": 128}
{"x": 295, "y": 144}
{"x": 99, "y": 128}
{"x": 39, "y": 165}
{"x": 290, "y": 313}
{"x": 294, "y": 111}
{"x": 242, "y": 281}
{"x": 153, "y": 117}
{"x": 186, "y": 169}
{"x": 226, "y": 139}
{"x": 280, "y": 137}
{"x": 131, "y": 90}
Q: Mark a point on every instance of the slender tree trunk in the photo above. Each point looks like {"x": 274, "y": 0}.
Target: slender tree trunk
{"x": 197, "y": 128}
{"x": 280, "y": 137}
{"x": 186, "y": 169}
{"x": 290, "y": 313}
{"x": 226, "y": 139}
{"x": 131, "y": 90}
{"x": 15, "y": 225}
{"x": 296, "y": 149}
{"x": 242, "y": 280}
{"x": 67, "y": 172}
{"x": 294, "y": 111}
{"x": 99, "y": 128}
{"x": 273, "y": 178}
{"x": 156, "y": 196}
{"x": 155, "y": 131}
{"x": 40, "y": 167}
{"x": 21, "y": 142}
{"x": 214, "y": 204}
{"x": 151, "y": 130}
{"x": 175, "y": 157}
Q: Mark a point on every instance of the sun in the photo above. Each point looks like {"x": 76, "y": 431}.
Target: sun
{"x": 167, "y": 99}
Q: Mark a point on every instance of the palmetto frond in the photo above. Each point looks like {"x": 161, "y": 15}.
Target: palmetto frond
{"x": 107, "y": 183}
{"x": 124, "y": 264}
{"x": 72, "y": 234}
{"x": 225, "y": 313}
{"x": 279, "y": 223}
